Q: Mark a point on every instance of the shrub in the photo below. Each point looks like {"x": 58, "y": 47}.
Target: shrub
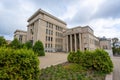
{"x": 87, "y": 59}
{"x": 102, "y": 61}
{"x": 28, "y": 45}
{"x": 75, "y": 57}
{"x": 70, "y": 57}
{"x": 39, "y": 49}
{"x": 18, "y": 65}
{"x": 98, "y": 60}
{"x": 15, "y": 44}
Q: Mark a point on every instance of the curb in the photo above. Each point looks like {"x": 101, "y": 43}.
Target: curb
{"x": 109, "y": 76}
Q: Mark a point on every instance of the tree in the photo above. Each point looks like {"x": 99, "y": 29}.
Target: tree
{"x": 28, "y": 45}
{"x": 15, "y": 44}
{"x": 2, "y": 41}
{"x": 115, "y": 40}
{"x": 39, "y": 49}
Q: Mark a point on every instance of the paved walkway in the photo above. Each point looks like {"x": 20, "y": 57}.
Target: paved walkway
{"x": 52, "y": 59}
{"x": 116, "y": 71}
{"x": 57, "y": 58}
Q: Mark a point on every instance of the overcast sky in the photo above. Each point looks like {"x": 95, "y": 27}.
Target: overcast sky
{"x": 103, "y": 16}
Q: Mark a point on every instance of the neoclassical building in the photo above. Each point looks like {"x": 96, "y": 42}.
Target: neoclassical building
{"x": 46, "y": 28}
{"x": 21, "y": 35}
{"x": 81, "y": 38}
{"x": 55, "y": 36}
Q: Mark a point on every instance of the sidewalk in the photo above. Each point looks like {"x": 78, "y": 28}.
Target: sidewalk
{"x": 116, "y": 70}
{"x": 52, "y": 59}
{"x": 57, "y": 58}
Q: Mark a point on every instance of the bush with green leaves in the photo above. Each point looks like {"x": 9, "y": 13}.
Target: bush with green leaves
{"x": 15, "y": 44}
{"x": 102, "y": 61}
{"x": 75, "y": 57}
{"x": 38, "y": 48}
{"x": 2, "y": 41}
{"x": 19, "y": 64}
{"x": 87, "y": 59}
{"x": 28, "y": 45}
{"x": 98, "y": 60}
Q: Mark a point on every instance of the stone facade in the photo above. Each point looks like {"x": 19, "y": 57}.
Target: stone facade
{"x": 105, "y": 43}
{"x": 56, "y": 37}
{"x": 81, "y": 38}
{"x": 21, "y": 35}
{"x": 48, "y": 29}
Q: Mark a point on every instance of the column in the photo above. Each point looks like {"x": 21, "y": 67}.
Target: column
{"x": 70, "y": 42}
{"x": 75, "y": 42}
{"x": 67, "y": 43}
{"x": 80, "y": 41}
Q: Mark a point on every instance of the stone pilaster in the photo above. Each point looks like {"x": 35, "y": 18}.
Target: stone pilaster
{"x": 75, "y": 42}
{"x": 71, "y": 43}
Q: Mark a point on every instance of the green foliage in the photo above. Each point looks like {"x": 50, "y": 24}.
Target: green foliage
{"x": 75, "y": 57}
{"x": 19, "y": 64}
{"x": 28, "y": 45}
{"x": 15, "y": 44}
{"x": 69, "y": 71}
{"x": 2, "y": 41}
{"x": 102, "y": 61}
{"x": 87, "y": 59}
{"x": 98, "y": 60}
{"x": 39, "y": 49}
{"x": 116, "y": 51}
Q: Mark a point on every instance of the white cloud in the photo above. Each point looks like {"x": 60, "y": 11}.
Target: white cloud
{"x": 106, "y": 27}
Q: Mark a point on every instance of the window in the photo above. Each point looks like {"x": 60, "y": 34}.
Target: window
{"x": 45, "y": 45}
{"x": 51, "y": 45}
{"x": 49, "y": 32}
{"x": 46, "y": 31}
{"x": 48, "y": 45}
{"x": 56, "y": 27}
{"x": 48, "y": 38}
{"x": 31, "y": 31}
{"x": 20, "y": 38}
{"x": 47, "y": 24}
{"x": 51, "y": 38}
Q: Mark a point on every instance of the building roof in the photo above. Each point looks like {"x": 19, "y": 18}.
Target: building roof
{"x": 46, "y": 13}
{"x": 20, "y": 31}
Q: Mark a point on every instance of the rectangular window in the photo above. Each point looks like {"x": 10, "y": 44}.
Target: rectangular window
{"x": 46, "y": 31}
{"x": 47, "y": 24}
{"x": 48, "y": 45}
{"x": 51, "y": 38}
{"x": 49, "y": 32}
{"x": 45, "y": 45}
{"x": 46, "y": 38}
{"x": 56, "y": 27}
{"x": 51, "y": 45}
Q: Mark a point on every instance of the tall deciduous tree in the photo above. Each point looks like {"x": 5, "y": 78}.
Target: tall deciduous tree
{"x": 39, "y": 49}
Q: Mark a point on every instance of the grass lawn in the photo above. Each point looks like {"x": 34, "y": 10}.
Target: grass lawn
{"x": 70, "y": 71}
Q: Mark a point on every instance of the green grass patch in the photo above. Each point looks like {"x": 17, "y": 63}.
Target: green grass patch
{"x": 70, "y": 71}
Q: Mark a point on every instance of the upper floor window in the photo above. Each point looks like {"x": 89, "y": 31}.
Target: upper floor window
{"x": 31, "y": 31}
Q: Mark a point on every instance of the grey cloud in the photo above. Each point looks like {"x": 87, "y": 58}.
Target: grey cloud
{"x": 110, "y": 8}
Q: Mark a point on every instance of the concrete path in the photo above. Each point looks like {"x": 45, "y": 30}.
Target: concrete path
{"x": 57, "y": 58}
{"x": 116, "y": 71}
{"x": 52, "y": 59}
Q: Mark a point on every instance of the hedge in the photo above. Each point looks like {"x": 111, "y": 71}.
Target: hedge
{"x": 98, "y": 60}
{"x": 19, "y": 64}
